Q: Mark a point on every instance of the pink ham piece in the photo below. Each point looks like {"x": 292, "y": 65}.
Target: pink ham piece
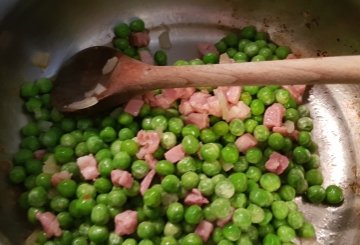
{"x": 195, "y": 198}
{"x": 238, "y": 111}
{"x": 214, "y": 106}
{"x": 146, "y": 57}
{"x": 224, "y": 221}
{"x": 198, "y": 102}
{"x": 186, "y": 92}
{"x": 273, "y": 115}
{"x": 150, "y": 160}
{"x": 149, "y": 142}
{"x": 204, "y": 230}
{"x": 39, "y": 154}
{"x": 121, "y": 178}
{"x": 146, "y": 182}
{"x": 245, "y": 142}
{"x": 199, "y": 119}
{"x": 296, "y": 91}
{"x": 205, "y": 48}
{"x": 88, "y": 167}
{"x": 49, "y": 223}
{"x": 225, "y": 59}
{"x": 56, "y": 178}
{"x": 185, "y": 107}
{"x": 287, "y": 129}
{"x": 277, "y": 163}
{"x": 126, "y": 222}
{"x": 232, "y": 93}
{"x": 140, "y": 39}
{"x": 175, "y": 154}
{"x": 133, "y": 106}
{"x": 149, "y": 98}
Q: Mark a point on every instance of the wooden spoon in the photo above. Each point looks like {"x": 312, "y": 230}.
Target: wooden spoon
{"x": 104, "y": 74}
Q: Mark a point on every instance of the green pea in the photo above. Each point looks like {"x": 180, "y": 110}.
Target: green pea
{"x": 314, "y": 177}
{"x": 239, "y": 200}
{"x": 117, "y": 198}
{"x": 220, "y": 128}
{"x": 175, "y": 125}
{"x": 240, "y": 57}
{"x": 231, "y": 52}
{"x": 185, "y": 165}
{"x": 316, "y": 194}
{"x": 224, "y": 189}
{"x": 159, "y": 123}
{"x": 146, "y": 230}
{"x": 137, "y": 25}
{"x": 334, "y": 195}
{"x": 59, "y": 203}
{"x": 307, "y": 230}
{"x": 130, "y": 147}
{"x": 257, "y": 213}
{"x": 152, "y": 197}
{"x": 160, "y": 58}
{"x": 276, "y": 141}
{"x": 271, "y": 239}
{"x": 67, "y": 188}
{"x": 295, "y": 219}
{"x": 31, "y": 143}
{"x": 102, "y": 185}
{"x": 242, "y": 218}
{"x": 250, "y": 125}
{"x": 210, "y": 152}
{"x": 301, "y": 155}
{"x": 248, "y": 32}
{"x": 241, "y": 165}
{"x": 171, "y": 229}
{"x": 196, "y": 62}
{"x": 65, "y": 220}
{"x": 229, "y": 154}
{"x": 17, "y": 175}
{"x": 270, "y": 182}
{"x": 211, "y": 168}
{"x": 98, "y": 234}
{"x": 181, "y": 63}
{"x": 207, "y": 135}
{"x": 122, "y": 30}
{"x": 139, "y": 169}
{"x": 292, "y": 114}
{"x": 94, "y": 144}
{"x": 170, "y": 183}
{"x": 282, "y": 52}
{"x": 210, "y": 58}
{"x": 164, "y": 167}
{"x": 37, "y": 197}
{"x": 189, "y": 180}
{"x": 221, "y": 207}
{"x": 287, "y": 192}
{"x": 175, "y": 212}
{"x": 251, "y": 49}
{"x": 193, "y": 215}
{"x": 190, "y": 144}
{"x": 231, "y": 39}
{"x": 28, "y": 90}
{"x": 30, "y": 182}
{"x": 100, "y": 214}
{"x": 168, "y": 140}
{"x": 221, "y": 46}
{"x": 257, "y": 107}
{"x": 191, "y": 239}
{"x": 279, "y": 209}
{"x": 190, "y": 129}
{"x": 261, "y": 133}
{"x": 115, "y": 239}
{"x": 231, "y": 232}
{"x": 261, "y": 197}
{"x": 253, "y": 155}
{"x": 305, "y": 124}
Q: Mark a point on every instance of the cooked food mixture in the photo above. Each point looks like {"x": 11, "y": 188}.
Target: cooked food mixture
{"x": 185, "y": 166}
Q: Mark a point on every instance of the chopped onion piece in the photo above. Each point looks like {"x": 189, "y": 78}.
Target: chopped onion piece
{"x": 223, "y": 103}
{"x": 99, "y": 88}
{"x": 110, "y": 65}
{"x": 32, "y": 238}
{"x": 290, "y": 126}
{"x": 164, "y": 40}
{"x": 82, "y": 104}
{"x": 50, "y": 166}
{"x": 40, "y": 59}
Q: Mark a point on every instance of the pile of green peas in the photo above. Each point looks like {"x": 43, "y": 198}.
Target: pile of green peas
{"x": 261, "y": 203}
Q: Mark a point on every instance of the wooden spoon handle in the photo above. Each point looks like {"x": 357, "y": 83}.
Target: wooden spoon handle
{"x": 323, "y": 70}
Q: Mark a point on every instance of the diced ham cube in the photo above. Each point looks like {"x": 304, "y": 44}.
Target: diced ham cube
{"x": 296, "y": 91}
{"x": 175, "y": 154}
{"x": 150, "y": 160}
{"x": 49, "y": 223}
{"x": 205, "y": 48}
{"x": 195, "y": 198}
{"x": 149, "y": 98}
{"x": 287, "y": 129}
{"x": 199, "y": 119}
{"x": 245, "y": 142}
{"x": 121, "y": 178}
{"x": 198, "y": 102}
{"x": 185, "y": 107}
{"x": 224, "y": 221}
{"x": 88, "y": 167}
{"x": 140, "y": 39}
{"x": 186, "y": 92}
{"x": 214, "y": 106}
{"x": 233, "y": 94}
{"x": 149, "y": 142}
{"x": 225, "y": 59}
{"x": 126, "y": 222}
{"x": 146, "y": 57}
{"x": 56, "y": 178}
{"x": 146, "y": 182}
{"x": 204, "y": 229}
{"x": 277, "y": 163}
{"x": 238, "y": 111}
{"x": 273, "y": 115}
{"x": 39, "y": 154}
{"x": 133, "y": 106}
